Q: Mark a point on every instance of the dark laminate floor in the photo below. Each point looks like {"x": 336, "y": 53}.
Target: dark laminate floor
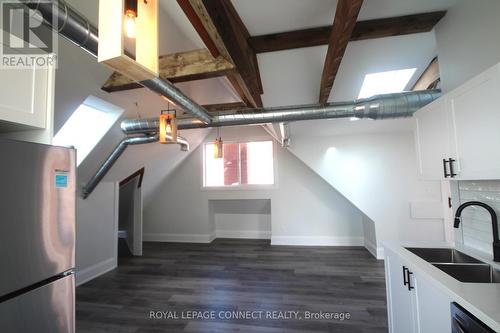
{"x": 238, "y": 275}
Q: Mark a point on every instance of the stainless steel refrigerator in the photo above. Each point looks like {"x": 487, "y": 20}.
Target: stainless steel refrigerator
{"x": 37, "y": 238}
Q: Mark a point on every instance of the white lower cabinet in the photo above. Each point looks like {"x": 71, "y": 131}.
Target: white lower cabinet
{"x": 414, "y": 304}
{"x": 400, "y": 305}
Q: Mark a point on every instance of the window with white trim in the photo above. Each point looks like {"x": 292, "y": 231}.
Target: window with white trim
{"x": 243, "y": 164}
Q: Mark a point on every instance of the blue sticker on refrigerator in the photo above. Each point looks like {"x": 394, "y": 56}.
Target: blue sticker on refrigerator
{"x": 61, "y": 180}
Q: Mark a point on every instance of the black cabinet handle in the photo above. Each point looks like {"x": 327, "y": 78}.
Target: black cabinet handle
{"x": 446, "y": 174}
{"x": 452, "y": 172}
{"x": 410, "y": 287}
{"x": 405, "y": 281}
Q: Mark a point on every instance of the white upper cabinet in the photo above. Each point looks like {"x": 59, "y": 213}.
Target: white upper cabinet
{"x": 25, "y": 98}
{"x": 457, "y": 135}
{"x": 474, "y": 115}
{"x": 432, "y": 139}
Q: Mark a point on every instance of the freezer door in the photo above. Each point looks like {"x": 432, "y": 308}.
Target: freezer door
{"x": 37, "y": 213}
{"x": 48, "y": 309}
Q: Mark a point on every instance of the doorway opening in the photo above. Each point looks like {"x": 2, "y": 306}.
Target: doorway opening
{"x": 130, "y": 215}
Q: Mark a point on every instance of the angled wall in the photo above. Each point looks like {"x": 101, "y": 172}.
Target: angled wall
{"x": 373, "y": 165}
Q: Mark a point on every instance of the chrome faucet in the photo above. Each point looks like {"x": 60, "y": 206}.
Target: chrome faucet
{"x": 494, "y": 222}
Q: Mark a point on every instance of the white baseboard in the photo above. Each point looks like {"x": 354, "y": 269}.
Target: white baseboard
{"x": 380, "y": 253}
{"x": 178, "y": 238}
{"x": 90, "y": 273}
{"x": 244, "y": 234}
{"x": 372, "y": 248}
{"x": 317, "y": 241}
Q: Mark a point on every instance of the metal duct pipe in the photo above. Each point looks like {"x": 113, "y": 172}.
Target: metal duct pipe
{"x": 77, "y": 29}
{"x": 378, "y": 107}
{"x": 117, "y": 152}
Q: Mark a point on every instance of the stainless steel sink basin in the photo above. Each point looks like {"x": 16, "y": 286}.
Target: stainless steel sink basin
{"x": 475, "y": 273}
{"x": 442, "y": 255}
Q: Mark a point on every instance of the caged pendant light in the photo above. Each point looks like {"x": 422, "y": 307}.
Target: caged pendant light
{"x": 218, "y": 146}
{"x": 168, "y": 127}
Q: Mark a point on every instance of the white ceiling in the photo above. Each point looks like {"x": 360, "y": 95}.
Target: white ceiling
{"x": 265, "y": 16}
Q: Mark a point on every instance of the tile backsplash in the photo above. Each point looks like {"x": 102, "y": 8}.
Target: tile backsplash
{"x": 475, "y": 230}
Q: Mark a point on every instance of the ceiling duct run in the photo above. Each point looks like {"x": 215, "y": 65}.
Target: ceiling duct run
{"x": 117, "y": 152}
{"x": 386, "y": 106}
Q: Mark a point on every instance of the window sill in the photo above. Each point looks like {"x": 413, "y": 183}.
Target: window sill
{"x": 240, "y": 188}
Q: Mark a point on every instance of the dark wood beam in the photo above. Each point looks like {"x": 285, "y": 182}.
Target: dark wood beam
{"x": 229, "y": 37}
{"x": 235, "y": 37}
{"x": 346, "y": 16}
{"x": 378, "y": 28}
{"x": 178, "y": 67}
{"x": 429, "y": 77}
{"x": 208, "y": 36}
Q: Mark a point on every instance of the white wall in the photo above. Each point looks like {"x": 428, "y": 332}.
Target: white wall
{"x": 375, "y": 170}
{"x": 467, "y": 41}
{"x": 305, "y": 210}
{"x": 247, "y": 218}
{"x": 96, "y": 233}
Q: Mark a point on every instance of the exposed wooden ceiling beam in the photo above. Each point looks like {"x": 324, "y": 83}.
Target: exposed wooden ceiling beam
{"x": 229, "y": 36}
{"x": 346, "y": 16}
{"x": 429, "y": 77}
{"x": 178, "y": 67}
{"x": 378, "y": 28}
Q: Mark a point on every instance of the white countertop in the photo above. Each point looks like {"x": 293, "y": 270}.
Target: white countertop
{"x": 480, "y": 299}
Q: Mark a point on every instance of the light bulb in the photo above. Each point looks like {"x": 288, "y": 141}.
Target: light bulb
{"x": 130, "y": 16}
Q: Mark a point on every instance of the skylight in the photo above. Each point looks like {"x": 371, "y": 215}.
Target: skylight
{"x": 386, "y": 82}
{"x": 86, "y": 126}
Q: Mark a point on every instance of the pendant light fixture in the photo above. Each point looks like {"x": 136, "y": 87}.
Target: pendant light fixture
{"x": 218, "y": 146}
{"x": 168, "y": 126}
{"x": 130, "y": 16}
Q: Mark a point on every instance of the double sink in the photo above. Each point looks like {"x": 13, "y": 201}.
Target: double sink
{"x": 458, "y": 265}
